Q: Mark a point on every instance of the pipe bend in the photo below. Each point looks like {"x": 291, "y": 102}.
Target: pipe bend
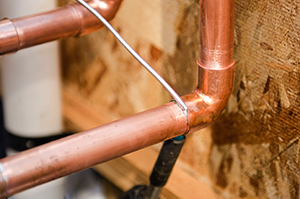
{"x": 89, "y": 23}
{"x": 211, "y": 96}
{"x": 109, "y": 8}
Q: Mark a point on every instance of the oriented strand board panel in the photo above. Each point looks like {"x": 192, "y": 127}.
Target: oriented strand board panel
{"x": 257, "y": 140}
{"x": 252, "y": 150}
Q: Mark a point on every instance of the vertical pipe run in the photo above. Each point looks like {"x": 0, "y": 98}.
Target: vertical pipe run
{"x": 216, "y": 33}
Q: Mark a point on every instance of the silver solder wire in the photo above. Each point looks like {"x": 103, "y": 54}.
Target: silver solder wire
{"x": 176, "y": 97}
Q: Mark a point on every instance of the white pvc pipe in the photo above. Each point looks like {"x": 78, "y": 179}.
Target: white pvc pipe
{"x": 31, "y": 80}
{"x": 31, "y": 90}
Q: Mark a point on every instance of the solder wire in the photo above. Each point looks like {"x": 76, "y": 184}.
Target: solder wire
{"x": 176, "y": 97}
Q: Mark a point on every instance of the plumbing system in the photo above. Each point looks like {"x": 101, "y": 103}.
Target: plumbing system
{"x": 82, "y": 150}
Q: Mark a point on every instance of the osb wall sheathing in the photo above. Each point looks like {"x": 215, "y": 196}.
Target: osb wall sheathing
{"x": 252, "y": 150}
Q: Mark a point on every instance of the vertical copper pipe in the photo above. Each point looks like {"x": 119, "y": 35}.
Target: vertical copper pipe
{"x": 70, "y": 20}
{"x": 216, "y": 33}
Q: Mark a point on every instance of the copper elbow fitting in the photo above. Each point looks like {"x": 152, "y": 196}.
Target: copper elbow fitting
{"x": 70, "y": 20}
{"x": 211, "y": 96}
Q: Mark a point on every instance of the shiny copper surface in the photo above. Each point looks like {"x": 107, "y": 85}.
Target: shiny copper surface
{"x": 70, "y": 20}
{"x": 80, "y": 151}
{"x": 215, "y": 64}
{"x": 10, "y": 39}
{"x": 207, "y": 102}
{"x": 216, "y": 33}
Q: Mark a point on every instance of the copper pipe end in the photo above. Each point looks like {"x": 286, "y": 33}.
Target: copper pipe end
{"x": 216, "y": 33}
{"x": 70, "y": 20}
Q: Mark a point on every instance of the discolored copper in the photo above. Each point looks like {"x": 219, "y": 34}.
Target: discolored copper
{"x": 70, "y": 20}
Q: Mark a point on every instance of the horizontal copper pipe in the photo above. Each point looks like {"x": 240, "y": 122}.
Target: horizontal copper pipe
{"x": 216, "y": 33}
{"x": 70, "y": 20}
{"x": 83, "y": 150}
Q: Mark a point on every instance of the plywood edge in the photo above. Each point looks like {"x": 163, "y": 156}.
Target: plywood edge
{"x": 135, "y": 168}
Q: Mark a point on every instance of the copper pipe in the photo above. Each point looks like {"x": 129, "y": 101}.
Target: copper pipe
{"x": 80, "y": 151}
{"x": 215, "y": 64}
{"x": 216, "y": 38}
{"x": 77, "y": 152}
{"x": 70, "y": 20}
